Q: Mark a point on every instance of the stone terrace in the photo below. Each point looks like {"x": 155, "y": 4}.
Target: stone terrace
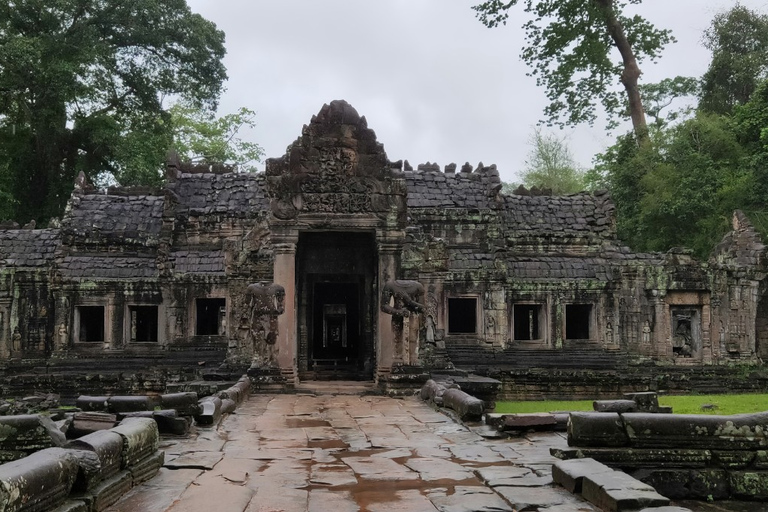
{"x": 351, "y": 453}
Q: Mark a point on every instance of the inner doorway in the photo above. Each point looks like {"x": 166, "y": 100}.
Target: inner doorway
{"x": 336, "y": 303}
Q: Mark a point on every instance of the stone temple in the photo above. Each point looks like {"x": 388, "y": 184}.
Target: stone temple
{"x": 339, "y": 263}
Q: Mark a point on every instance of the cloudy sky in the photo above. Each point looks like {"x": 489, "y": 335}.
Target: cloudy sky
{"x": 433, "y": 82}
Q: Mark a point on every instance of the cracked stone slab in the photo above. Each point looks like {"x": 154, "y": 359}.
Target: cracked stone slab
{"x": 400, "y": 501}
{"x": 502, "y": 475}
{"x": 195, "y": 460}
{"x": 469, "y": 499}
{"x": 332, "y": 475}
{"x": 439, "y": 469}
{"x": 219, "y": 495}
{"x": 286, "y": 500}
{"x": 380, "y": 469}
{"x": 531, "y": 498}
{"x": 322, "y": 500}
{"x": 475, "y": 452}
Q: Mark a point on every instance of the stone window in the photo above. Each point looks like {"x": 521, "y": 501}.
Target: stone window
{"x": 143, "y": 323}
{"x": 578, "y": 321}
{"x": 210, "y": 314}
{"x": 462, "y": 315}
{"x": 528, "y": 322}
{"x": 686, "y": 331}
{"x": 89, "y": 323}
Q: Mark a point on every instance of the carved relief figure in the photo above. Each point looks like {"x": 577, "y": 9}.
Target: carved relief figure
{"x": 399, "y": 299}
{"x": 265, "y": 303}
{"x": 16, "y": 339}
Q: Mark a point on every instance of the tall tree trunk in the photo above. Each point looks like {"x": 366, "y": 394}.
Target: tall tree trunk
{"x": 631, "y": 72}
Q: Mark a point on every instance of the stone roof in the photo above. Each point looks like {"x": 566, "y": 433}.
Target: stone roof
{"x": 228, "y": 194}
{"x": 434, "y": 189}
{"x": 129, "y": 217}
{"x": 577, "y": 214}
{"x": 546, "y": 267}
{"x": 28, "y": 248}
{"x": 198, "y": 262}
{"x": 469, "y": 259}
{"x": 108, "y": 267}
{"x": 740, "y": 247}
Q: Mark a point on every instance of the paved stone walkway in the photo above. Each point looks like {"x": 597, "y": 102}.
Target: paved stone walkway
{"x": 350, "y": 453}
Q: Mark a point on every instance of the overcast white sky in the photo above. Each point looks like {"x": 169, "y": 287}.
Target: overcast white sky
{"x": 433, "y": 82}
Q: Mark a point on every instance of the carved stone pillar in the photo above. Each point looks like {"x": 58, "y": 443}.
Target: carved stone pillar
{"x": 285, "y": 275}
{"x": 385, "y": 348}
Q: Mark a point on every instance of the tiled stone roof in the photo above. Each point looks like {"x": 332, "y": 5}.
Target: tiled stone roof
{"x": 108, "y": 267}
{"x": 198, "y": 262}
{"x": 469, "y": 259}
{"x": 435, "y": 189}
{"x": 136, "y": 217}
{"x": 230, "y": 194}
{"x": 547, "y": 267}
{"x": 576, "y": 214}
{"x": 30, "y": 248}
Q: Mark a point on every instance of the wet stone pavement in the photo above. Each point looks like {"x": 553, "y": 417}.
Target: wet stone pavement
{"x": 350, "y": 453}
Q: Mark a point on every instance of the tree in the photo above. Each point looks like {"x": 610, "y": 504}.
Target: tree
{"x": 569, "y": 48}
{"x": 82, "y": 85}
{"x": 738, "y": 39}
{"x": 550, "y": 165}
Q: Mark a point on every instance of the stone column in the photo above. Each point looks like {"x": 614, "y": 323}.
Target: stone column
{"x": 285, "y": 275}
{"x": 385, "y": 348}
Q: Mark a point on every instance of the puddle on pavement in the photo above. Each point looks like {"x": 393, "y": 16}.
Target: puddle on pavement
{"x": 306, "y": 423}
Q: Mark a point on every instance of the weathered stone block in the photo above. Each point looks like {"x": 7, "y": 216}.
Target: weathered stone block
{"x": 92, "y": 403}
{"x": 647, "y": 401}
{"x": 228, "y": 406}
{"x": 72, "y": 506}
{"x": 619, "y": 492}
{"x": 688, "y": 484}
{"x": 108, "y": 447}
{"x": 631, "y": 458}
{"x": 570, "y": 473}
{"x": 211, "y": 411}
{"x": 523, "y": 422}
{"x": 120, "y": 404}
{"x": 466, "y": 406}
{"x": 147, "y": 467}
{"x": 596, "y": 429}
{"x": 24, "y": 434}
{"x": 140, "y": 439}
{"x": 185, "y": 404}
{"x": 84, "y": 423}
{"x": 619, "y": 406}
{"x": 749, "y": 485}
{"x": 107, "y": 491}
{"x": 37, "y": 483}
{"x": 736, "y": 432}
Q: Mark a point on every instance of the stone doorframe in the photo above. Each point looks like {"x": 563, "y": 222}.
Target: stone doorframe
{"x": 285, "y": 238}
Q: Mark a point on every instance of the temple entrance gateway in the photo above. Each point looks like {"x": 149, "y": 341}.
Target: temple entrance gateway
{"x": 336, "y": 305}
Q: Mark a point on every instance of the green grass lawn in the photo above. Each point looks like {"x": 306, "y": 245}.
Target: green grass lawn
{"x": 688, "y": 404}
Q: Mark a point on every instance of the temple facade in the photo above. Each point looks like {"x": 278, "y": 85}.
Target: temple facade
{"x": 337, "y": 262}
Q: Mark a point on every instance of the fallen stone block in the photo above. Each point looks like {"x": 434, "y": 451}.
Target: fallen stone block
{"x": 736, "y": 432}
{"x": 92, "y": 403}
{"x": 147, "y": 468}
{"x": 107, "y": 492}
{"x": 596, "y": 429}
{"x": 570, "y": 473}
{"x": 619, "y": 492}
{"x": 237, "y": 392}
{"x": 633, "y": 458}
{"x": 562, "y": 421}
{"x": 211, "y": 411}
{"x": 39, "y": 482}
{"x": 119, "y": 404}
{"x": 168, "y": 422}
{"x": 84, "y": 423}
{"x": 494, "y": 419}
{"x": 466, "y": 406}
{"x": 620, "y": 406}
{"x": 647, "y": 401}
{"x": 108, "y": 447}
{"x": 228, "y": 406}
{"x": 525, "y": 422}
{"x": 749, "y": 485}
{"x": 185, "y": 404}
{"x": 665, "y": 409}
{"x": 687, "y": 484}
{"x": 28, "y": 433}
{"x": 140, "y": 439}
{"x": 666, "y": 509}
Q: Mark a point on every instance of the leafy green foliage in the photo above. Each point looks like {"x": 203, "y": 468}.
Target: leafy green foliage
{"x": 738, "y": 39}
{"x": 83, "y": 83}
{"x": 200, "y": 136}
{"x": 550, "y": 165}
{"x": 569, "y": 48}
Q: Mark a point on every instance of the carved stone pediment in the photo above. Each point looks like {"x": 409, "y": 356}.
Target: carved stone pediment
{"x": 335, "y": 167}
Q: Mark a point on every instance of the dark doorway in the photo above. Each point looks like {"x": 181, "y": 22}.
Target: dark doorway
{"x": 578, "y": 319}
{"x": 462, "y": 315}
{"x": 210, "y": 317}
{"x": 91, "y": 320}
{"x": 336, "y": 299}
{"x": 143, "y": 323}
